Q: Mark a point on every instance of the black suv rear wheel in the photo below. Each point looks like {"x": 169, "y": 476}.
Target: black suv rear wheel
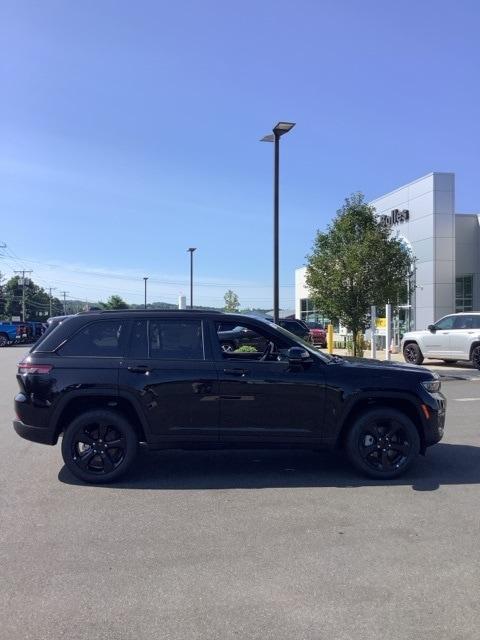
{"x": 99, "y": 446}
{"x": 382, "y": 443}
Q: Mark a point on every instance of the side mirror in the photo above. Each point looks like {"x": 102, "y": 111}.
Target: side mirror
{"x": 298, "y": 356}
{"x": 432, "y": 328}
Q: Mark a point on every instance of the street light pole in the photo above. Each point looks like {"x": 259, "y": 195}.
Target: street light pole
{"x": 145, "y": 278}
{"x": 278, "y": 131}
{"x": 191, "y": 250}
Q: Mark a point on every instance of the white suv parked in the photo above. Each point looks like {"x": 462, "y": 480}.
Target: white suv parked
{"x": 454, "y": 337}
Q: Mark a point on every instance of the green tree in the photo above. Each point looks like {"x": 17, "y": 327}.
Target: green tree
{"x": 232, "y": 304}
{"x": 37, "y": 300}
{"x": 355, "y": 264}
{"x": 115, "y": 302}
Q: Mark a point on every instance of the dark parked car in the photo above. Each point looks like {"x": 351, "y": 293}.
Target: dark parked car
{"x": 109, "y": 380}
{"x": 232, "y": 336}
{"x": 297, "y": 327}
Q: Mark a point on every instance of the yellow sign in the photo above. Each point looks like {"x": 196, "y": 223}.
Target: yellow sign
{"x": 381, "y": 323}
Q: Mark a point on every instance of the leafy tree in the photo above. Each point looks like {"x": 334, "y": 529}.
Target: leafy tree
{"x": 37, "y": 300}
{"x": 232, "y": 304}
{"x": 355, "y": 264}
{"x": 115, "y": 302}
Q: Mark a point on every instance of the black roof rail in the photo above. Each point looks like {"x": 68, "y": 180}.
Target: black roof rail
{"x": 149, "y": 311}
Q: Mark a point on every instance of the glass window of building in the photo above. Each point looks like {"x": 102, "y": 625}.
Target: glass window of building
{"x": 464, "y": 293}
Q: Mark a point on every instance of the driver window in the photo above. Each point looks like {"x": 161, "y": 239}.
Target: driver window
{"x": 445, "y": 323}
{"x": 249, "y": 343}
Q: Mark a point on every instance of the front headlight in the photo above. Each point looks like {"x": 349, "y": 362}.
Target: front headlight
{"x": 431, "y": 385}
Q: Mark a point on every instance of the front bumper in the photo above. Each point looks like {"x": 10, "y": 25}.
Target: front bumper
{"x": 35, "y": 434}
{"x": 434, "y": 426}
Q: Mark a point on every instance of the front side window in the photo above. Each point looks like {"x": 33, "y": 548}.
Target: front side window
{"x": 445, "y": 323}
{"x": 101, "y": 339}
{"x": 246, "y": 339}
{"x": 168, "y": 339}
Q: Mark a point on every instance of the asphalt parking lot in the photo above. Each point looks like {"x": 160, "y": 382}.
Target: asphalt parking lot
{"x": 229, "y": 545}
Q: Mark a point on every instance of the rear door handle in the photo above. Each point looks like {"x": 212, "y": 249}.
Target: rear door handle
{"x": 236, "y": 372}
{"x": 141, "y": 368}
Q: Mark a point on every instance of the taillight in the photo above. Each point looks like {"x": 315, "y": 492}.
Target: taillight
{"x": 30, "y": 367}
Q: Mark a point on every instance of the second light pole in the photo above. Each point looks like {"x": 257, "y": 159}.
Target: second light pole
{"x": 278, "y": 131}
{"x": 145, "y": 278}
{"x": 191, "y": 250}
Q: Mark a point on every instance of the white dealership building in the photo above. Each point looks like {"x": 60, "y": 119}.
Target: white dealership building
{"x": 445, "y": 245}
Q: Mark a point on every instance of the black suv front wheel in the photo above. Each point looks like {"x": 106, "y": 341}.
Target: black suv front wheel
{"x": 99, "y": 446}
{"x": 383, "y": 443}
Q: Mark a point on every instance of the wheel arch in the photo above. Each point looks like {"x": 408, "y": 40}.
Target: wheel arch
{"x": 472, "y": 347}
{"x": 362, "y": 405}
{"x": 412, "y": 341}
{"x": 80, "y": 403}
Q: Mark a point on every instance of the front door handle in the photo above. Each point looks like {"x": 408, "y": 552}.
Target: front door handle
{"x": 140, "y": 368}
{"x": 236, "y": 372}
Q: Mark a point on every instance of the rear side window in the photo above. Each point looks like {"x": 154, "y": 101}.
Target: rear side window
{"x": 168, "y": 339}
{"x": 101, "y": 339}
{"x": 464, "y": 322}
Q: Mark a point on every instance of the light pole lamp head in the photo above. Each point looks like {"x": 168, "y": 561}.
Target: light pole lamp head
{"x": 280, "y": 129}
{"x": 192, "y": 249}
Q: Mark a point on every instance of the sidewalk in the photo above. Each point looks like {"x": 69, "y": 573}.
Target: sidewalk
{"x": 462, "y": 370}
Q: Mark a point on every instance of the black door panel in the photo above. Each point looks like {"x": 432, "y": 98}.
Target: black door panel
{"x": 269, "y": 400}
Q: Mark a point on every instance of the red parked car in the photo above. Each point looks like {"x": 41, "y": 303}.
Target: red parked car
{"x": 318, "y": 335}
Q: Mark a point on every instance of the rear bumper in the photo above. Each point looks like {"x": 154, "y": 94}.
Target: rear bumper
{"x": 35, "y": 434}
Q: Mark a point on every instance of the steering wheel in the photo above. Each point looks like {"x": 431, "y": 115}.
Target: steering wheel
{"x": 267, "y": 352}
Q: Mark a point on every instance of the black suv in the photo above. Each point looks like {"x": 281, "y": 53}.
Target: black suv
{"x": 108, "y": 380}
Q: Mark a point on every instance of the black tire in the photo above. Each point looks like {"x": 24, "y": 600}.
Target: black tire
{"x": 450, "y": 361}
{"x": 476, "y": 357}
{"x": 382, "y": 443}
{"x": 87, "y": 446}
{"x": 412, "y": 353}
{"x": 4, "y": 340}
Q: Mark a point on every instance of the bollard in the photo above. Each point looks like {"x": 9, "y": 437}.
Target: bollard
{"x": 330, "y": 338}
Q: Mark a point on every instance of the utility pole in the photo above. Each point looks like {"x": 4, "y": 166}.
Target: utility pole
{"x": 23, "y": 272}
{"x": 64, "y": 293}
{"x": 50, "y": 289}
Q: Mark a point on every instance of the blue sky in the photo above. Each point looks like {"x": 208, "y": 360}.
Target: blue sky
{"x": 129, "y": 131}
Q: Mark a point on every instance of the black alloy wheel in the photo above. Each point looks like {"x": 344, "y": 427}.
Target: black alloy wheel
{"x": 412, "y": 353}
{"x": 99, "y": 446}
{"x": 383, "y": 443}
{"x": 476, "y": 357}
